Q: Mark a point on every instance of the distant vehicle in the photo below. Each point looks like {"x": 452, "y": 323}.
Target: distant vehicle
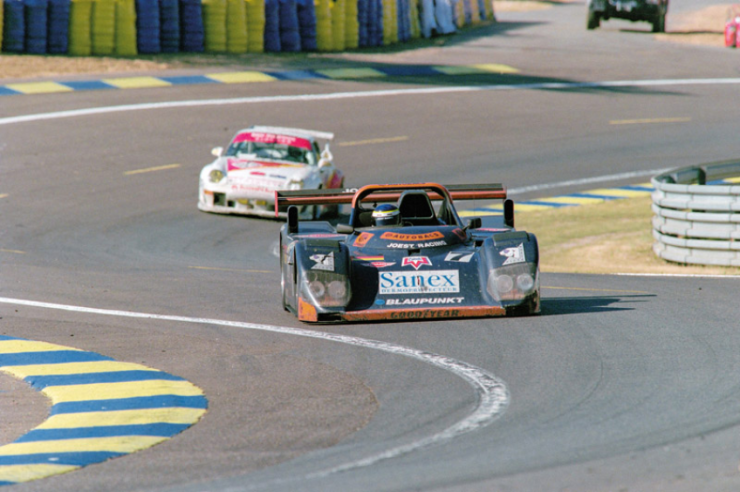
{"x": 653, "y": 11}
{"x": 400, "y": 257}
{"x": 261, "y": 160}
{"x": 732, "y": 27}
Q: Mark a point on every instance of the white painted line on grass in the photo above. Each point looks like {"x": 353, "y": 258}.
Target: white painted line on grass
{"x": 493, "y": 395}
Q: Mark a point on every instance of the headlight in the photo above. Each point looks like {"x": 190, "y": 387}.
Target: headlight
{"x": 337, "y": 289}
{"x": 326, "y": 289}
{"x": 295, "y": 184}
{"x": 216, "y": 176}
{"x": 317, "y": 289}
{"x": 513, "y": 283}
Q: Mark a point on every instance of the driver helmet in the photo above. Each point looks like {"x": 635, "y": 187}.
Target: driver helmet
{"x": 386, "y": 215}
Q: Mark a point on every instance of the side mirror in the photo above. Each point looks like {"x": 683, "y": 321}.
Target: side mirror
{"x": 292, "y": 219}
{"x": 509, "y": 213}
{"x": 326, "y": 155}
{"x": 217, "y": 151}
{"x": 474, "y": 223}
{"x": 345, "y": 229}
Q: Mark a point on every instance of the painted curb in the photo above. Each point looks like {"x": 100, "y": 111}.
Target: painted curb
{"x": 50, "y": 87}
{"x": 101, "y": 408}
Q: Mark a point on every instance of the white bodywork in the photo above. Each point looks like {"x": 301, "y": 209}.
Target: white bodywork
{"x": 261, "y": 160}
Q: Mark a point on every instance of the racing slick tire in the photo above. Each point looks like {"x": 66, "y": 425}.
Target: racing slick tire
{"x": 593, "y": 20}
{"x": 659, "y": 22}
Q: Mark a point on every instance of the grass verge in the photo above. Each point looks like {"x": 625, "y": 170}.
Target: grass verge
{"x": 610, "y": 237}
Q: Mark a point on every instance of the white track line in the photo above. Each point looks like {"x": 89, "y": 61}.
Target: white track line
{"x": 585, "y": 181}
{"x": 493, "y": 395}
{"x": 362, "y": 94}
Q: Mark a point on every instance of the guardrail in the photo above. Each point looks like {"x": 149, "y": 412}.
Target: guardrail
{"x": 695, "y": 222}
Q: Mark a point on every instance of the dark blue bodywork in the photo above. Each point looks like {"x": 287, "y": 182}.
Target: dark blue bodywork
{"x": 431, "y": 266}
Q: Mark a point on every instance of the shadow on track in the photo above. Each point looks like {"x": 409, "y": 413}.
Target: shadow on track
{"x": 553, "y": 306}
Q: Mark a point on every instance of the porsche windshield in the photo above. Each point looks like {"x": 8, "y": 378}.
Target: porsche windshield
{"x": 272, "y": 151}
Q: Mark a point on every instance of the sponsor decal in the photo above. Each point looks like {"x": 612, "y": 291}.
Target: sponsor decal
{"x": 378, "y": 261}
{"x": 416, "y": 261}
{"x": 238, "y": 165}
{"x": 397, "y": 236}
{"x": 426, "y": 314}
{"x": 379, "y": 302}
{"x": 273, "y": 138}
{"x": 425, "y": 300}
{"x": 382, "y": 264}
{"x": 323, "y": 262}
{"x": 363, "y": 239}
{"x": 318, "y": 235}
{"x": 428, "y": 244}
{"x": 459, "y": 256}
{"x": 264, "y": 189}
{"x": 423, "y": 282}
{"x": 514, "y": 255}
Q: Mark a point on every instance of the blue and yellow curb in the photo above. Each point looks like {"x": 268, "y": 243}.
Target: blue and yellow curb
{"x": 599, "y": 195}
{"x": 50, "y": 87}
{"x": 101, "y": 408}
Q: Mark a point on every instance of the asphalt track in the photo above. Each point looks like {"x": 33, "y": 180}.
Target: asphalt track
{"x": 623, "y": 383}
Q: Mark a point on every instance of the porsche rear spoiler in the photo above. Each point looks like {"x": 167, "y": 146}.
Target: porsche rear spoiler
{"x": 284, "y": 198}
{"x": 292, "y": 131}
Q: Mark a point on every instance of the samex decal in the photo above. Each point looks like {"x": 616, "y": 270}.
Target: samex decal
{"x": 395, "y": 236}
{"x": 362, "y": 239}
{"x": 426, "y": 282}
{"x": 416, "y": 261}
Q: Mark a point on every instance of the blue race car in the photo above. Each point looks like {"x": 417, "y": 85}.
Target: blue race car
{"x": 404, "y": 254}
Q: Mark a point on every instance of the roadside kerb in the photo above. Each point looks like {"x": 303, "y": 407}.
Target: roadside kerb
{"x": 101, "y": 408}
{"x": 695, "y": 222}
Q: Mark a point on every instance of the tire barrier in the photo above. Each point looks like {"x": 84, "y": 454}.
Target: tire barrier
{"x": 14, "y": 26}
{"x": 131, "y": 27}
{"x": 36, "y": 16}
{"x": 236, "y": 26}
{"x": 125, "y": 28}
{"x": 191, "y": 26}
{"x": 58, "y": 22}
{"x": 695, "y": 222}
{"x": 147, "y": 27}
{"x": 102, "y": 29}
{"x": 80, "y": 17}
{"x": 169, "y": 26}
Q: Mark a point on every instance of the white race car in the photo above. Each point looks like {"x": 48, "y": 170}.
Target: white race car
{"x": 261, "y": 160}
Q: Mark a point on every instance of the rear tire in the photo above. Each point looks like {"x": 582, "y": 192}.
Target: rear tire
{"x": 659, "y": 23}
{"x": 593, "y": 20}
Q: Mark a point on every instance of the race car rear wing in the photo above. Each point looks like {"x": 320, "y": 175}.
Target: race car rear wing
{"x": 292, "y": 131}
{"x": 387, "y": 193}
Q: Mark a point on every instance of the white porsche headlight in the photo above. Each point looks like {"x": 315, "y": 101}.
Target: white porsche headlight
{"x": 295, "y": 184}
{"x": 216, "y": 176}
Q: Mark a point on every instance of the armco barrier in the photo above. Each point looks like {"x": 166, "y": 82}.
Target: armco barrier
{"x": 91, "y": 27}
{"x": 695, "y": 222}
